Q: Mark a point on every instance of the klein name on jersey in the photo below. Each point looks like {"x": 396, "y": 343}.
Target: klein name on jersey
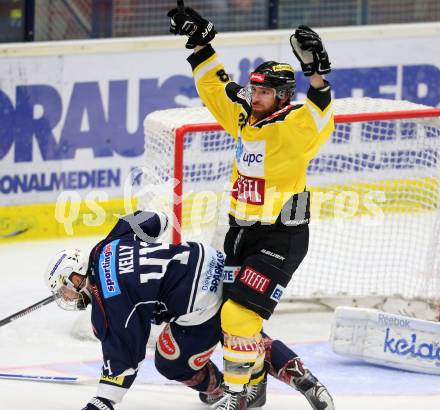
{"x": 125, "y": 259}
{"x": 255, "y": 280}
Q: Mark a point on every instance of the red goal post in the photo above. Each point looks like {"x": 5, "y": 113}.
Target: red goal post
{"x": 383, "y": 161}
{"x": 213, "y": 126}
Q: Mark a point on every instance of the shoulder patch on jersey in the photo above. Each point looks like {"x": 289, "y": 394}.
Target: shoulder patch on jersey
{"x": 167, "y": 345}
{"x": 107, "y": 270}
{"x": 199, "y": 360}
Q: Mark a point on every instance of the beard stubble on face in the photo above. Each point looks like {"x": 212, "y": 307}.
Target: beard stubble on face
{"x": 260, "y": 114}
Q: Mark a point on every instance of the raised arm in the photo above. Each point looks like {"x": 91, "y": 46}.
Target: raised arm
{"x": 317, "y": 81}
{"x": 185, "y": 21}
{"x": 223, "y": 98}
{"x": 310, "y": 52}
{"x": 309, "y": 49}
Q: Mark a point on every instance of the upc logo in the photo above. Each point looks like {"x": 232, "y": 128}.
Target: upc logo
{"x": 251, "y": 158}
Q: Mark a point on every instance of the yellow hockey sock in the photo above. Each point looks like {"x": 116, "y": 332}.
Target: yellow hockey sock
{"x": 242, "y": 343}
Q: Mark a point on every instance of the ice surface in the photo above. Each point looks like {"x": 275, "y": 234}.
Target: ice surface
{"x": 41, "y": 344}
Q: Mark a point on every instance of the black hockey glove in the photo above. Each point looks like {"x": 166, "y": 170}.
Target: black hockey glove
{"x": 305, "y": 57}
{"x": 99, "y": 403}
{"x": 187, "y": 22}
{"x": 309, "y": 50}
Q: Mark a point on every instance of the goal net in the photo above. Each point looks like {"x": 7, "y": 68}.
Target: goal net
{"x": 375, "y": 225}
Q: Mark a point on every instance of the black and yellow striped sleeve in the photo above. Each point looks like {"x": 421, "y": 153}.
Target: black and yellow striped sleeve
{"x": 319, "y": 104}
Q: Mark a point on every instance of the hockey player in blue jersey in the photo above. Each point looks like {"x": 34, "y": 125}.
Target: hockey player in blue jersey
{"x": 131, "y": 281}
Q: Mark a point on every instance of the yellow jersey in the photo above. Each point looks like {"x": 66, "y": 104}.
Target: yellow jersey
{"x": 272, "y": 154}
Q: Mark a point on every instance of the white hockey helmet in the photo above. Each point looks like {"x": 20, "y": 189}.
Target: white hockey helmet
{"x": 58, "y": 277}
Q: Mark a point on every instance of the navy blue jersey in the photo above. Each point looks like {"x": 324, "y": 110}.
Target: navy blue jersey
{"x": 136, "y": 281}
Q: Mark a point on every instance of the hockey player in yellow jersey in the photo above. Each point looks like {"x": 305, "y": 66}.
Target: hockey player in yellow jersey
{"x": 269, "y": 205}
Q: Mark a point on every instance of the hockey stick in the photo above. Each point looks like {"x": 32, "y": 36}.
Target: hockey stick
{"x": 75, "y": 380}
{"x": 180, "y": 6}
{"x": 47, "y": 379}
{"x": 14, "y": 233}
{"x": 27, "y": 310}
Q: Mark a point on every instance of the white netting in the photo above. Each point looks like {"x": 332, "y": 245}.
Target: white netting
{"x": 375, "y": 198}
{"x": 208, "y": 158}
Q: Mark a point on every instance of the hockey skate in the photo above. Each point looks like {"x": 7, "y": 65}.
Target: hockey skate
{"x": 307, "y": 384}
{"x": 319, "y": 398}
{"x": 209, "y": 399}
{"x": 212, "y": 398}
{"x": 256, "y": 394}
{"x": 231, "y": 401}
